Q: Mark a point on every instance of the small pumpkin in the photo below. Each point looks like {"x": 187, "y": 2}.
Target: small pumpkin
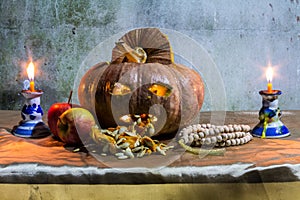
{"x": 143, "y": 78}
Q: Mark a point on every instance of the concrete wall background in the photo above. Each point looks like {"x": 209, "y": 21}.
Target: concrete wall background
{"x": 241, "y": 36}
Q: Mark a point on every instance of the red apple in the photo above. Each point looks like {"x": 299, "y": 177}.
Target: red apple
{"x": 75, "y": 125}
{"x": 54, "y": 112}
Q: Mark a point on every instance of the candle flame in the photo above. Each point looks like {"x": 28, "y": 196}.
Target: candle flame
{"x": 269, "y": 74}
{"x": 30, "y": 71}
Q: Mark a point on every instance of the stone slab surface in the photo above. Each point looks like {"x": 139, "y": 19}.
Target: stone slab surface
{"x": 49, "y": 161}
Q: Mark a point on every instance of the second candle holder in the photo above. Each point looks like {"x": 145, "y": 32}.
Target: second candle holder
{"x": 270, "y": 125}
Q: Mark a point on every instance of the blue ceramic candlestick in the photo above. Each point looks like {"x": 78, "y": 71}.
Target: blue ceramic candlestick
{"x": 32, "y": 125}
{"x": 270, "y": 125}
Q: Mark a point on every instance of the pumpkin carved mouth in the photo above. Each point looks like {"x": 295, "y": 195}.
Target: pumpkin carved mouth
{"x": 143, "y": 123}
{"x": 141, "y": 120}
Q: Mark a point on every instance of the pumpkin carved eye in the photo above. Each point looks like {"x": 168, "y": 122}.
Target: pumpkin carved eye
{"x": 120, "y": 89}
{"x": 161, "y": 89}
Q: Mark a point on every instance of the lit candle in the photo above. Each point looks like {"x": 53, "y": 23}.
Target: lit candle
{"x": 30, "y": 73}
{"x": 269, "y": 75}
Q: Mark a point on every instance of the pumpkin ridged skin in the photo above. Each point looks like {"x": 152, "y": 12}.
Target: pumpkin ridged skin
{"x": 192, "y": 92}
{"x": 173, "y": 111}
{"x": 88, "y": 85}
{"x": 109, "y": 108}
{"x": 181, "y": 107}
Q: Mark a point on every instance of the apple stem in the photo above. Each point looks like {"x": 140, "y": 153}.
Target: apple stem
{"x": 70, "y": 96}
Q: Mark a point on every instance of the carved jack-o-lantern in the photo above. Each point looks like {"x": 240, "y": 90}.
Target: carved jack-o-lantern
{"x": 141, "y": 79}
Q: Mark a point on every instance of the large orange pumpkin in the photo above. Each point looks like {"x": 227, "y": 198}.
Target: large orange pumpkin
{"x": 142, "y": 78}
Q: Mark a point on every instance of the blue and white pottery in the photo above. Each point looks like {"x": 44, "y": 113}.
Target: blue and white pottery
{"x": 32, "y": 124}
{"x": 270, "y": 125}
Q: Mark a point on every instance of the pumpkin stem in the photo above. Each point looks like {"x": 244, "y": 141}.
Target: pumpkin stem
{"x": 136, "y": 55}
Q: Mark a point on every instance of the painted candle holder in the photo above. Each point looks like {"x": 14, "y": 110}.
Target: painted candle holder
{"x": 270, "y": 125}
{"x": 32, "y": 125}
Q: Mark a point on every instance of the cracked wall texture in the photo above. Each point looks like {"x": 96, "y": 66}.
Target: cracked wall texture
{"x": 240, "y": 36}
